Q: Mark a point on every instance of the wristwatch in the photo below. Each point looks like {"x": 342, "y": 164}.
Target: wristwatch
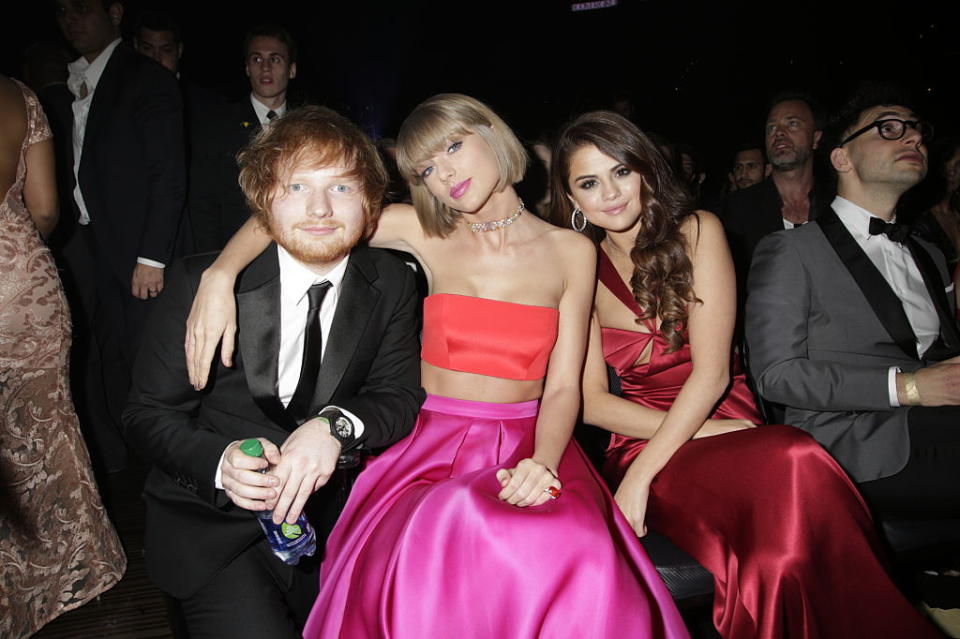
{"x": 341, "y": 426}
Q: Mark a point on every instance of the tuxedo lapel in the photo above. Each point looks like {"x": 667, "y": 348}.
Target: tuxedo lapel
{"x": 358, "y": 298}
{"x": 258, "y": 311}
{"x": 884, "y": 302}
{"x": 949, "y": 334}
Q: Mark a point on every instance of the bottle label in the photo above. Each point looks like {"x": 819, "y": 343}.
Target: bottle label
{"x": 290, "y": 531}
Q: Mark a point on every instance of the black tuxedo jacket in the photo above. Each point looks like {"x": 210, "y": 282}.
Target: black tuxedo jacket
{"x": 132, "y": 171}
{"x": 217, "y": 205}
{"x": 370, "y": 367}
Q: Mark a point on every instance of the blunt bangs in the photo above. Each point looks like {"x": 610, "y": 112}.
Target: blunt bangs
{"x": 431, "y": 125}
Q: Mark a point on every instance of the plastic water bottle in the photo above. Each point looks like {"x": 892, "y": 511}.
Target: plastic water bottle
{"x": 289, "y": 542}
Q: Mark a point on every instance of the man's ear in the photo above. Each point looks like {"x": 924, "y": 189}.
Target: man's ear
{"x": 816, "y": 138}
{"x": 840, "y": 160}
{"x": 767, "y": 168}
{"x": 293, "y": 70}
{"x": 179, "y": 50}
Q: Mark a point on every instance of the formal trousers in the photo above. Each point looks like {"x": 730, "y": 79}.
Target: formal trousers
{"x": 425, "y": 548}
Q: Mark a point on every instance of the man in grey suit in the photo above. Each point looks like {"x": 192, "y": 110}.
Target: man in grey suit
{"x": 851, "y": 322}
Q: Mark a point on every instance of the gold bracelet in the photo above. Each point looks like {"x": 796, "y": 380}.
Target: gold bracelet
{"x": 910, "y": 389}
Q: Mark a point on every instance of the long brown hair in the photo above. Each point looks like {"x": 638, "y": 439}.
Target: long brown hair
{"x": 662, "y": 280}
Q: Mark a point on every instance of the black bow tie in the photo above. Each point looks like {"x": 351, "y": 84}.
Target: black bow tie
{"x": 896, "y": 232}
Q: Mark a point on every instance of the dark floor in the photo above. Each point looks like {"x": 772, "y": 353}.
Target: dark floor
{"x": 134, "y": 608}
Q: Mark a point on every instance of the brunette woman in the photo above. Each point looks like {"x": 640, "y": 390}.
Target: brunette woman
{"x": 766, "y": 510}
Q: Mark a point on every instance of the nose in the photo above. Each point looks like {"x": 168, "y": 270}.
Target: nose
{"x": 611, "y": 191}
{"x": 445, "y": 169}
{"x": 319, "y": 205}
{"x": 913, "y": 136}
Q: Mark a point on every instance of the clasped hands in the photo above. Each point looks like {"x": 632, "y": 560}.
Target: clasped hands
{"x": 297, "y": 469}
{"x": 527, "y": 484}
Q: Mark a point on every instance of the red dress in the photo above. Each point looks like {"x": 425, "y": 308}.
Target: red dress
{"x": 767, "y": 511}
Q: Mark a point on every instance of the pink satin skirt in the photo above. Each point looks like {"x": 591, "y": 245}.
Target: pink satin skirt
{"x": 424, "y": 548}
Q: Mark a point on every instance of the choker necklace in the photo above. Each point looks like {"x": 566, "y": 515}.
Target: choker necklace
{"x": 482, "y": 227}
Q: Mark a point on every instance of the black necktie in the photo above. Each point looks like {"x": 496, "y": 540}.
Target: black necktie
{"x": 271, "y": 114}
{"x": 896, "y": 232}
{"x": 312, "y": 351}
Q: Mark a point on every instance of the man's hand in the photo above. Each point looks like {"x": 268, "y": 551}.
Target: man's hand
{"x": 939, "y": 384}
{"x": 147, "y": 281}
{"x": 242, "y": 480}
{"x": 307, "y": 460}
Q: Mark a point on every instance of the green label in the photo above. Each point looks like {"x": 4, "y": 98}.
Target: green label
{"x": 290, "y": 531}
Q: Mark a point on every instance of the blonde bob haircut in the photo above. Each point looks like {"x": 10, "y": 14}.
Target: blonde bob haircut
{"x": 434, "y": 124}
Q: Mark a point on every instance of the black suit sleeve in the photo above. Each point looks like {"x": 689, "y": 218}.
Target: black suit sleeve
{"x": 159, "y": 418}
{"x": 390, "y": 397}
{"x": 158, "y": 114}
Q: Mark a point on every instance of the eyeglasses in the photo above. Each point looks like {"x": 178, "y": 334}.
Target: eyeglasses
{"x": 894, "y": 129}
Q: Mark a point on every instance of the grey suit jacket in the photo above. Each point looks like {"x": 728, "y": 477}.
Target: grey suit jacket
{"x": 823, "y": 329}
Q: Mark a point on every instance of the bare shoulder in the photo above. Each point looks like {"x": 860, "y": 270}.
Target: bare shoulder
{"x": 568, "y": 241}
{"x": 702, "y": 227}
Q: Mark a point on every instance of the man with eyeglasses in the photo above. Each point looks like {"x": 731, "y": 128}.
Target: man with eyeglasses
{"x": 851, "y": 321}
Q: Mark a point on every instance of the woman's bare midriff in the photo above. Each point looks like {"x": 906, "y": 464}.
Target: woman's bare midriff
{"x": 481, "y": 388}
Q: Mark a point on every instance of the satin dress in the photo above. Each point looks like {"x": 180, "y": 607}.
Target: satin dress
{"x": 782, "y": 529}
{"x": 424, "y": 547}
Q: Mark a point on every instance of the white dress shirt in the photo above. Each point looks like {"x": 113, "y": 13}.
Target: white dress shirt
{"x": 262, "y": 110}
{"x": 295, "y": 280}
{"x": 82, "y": 82}
{"x": 898, "y": 268}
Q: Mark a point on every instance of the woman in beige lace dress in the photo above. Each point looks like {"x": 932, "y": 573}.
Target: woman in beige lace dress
{"x": 57, "y": 547}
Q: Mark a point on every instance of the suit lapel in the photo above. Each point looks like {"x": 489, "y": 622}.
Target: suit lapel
{"x": 245, "y": 123}
{"x": 949, "y": 334}
{"x": 258, "y": 311}
{"x": 105, "y": 95}
{"x": 884, "y": 302}
{"x": 358, "y": 298}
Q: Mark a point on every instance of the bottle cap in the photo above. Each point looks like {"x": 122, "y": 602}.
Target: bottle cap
{"x": 251, "y": 447}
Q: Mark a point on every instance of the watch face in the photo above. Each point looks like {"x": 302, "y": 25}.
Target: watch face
{"x": 343, "y": 427}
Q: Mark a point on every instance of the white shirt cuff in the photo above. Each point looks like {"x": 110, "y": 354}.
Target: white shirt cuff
{"x": 892, "y": 386}
{"x": 216, "y": 478}
{"x": 147, "y": 262}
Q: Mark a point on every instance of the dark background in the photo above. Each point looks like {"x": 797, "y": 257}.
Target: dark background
{"x": 697, "y": 72}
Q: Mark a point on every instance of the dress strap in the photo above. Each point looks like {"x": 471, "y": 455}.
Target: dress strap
{"x": 610, "y": 278}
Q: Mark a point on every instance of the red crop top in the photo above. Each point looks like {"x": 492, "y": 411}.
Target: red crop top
{"x": 488, "y": 337}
